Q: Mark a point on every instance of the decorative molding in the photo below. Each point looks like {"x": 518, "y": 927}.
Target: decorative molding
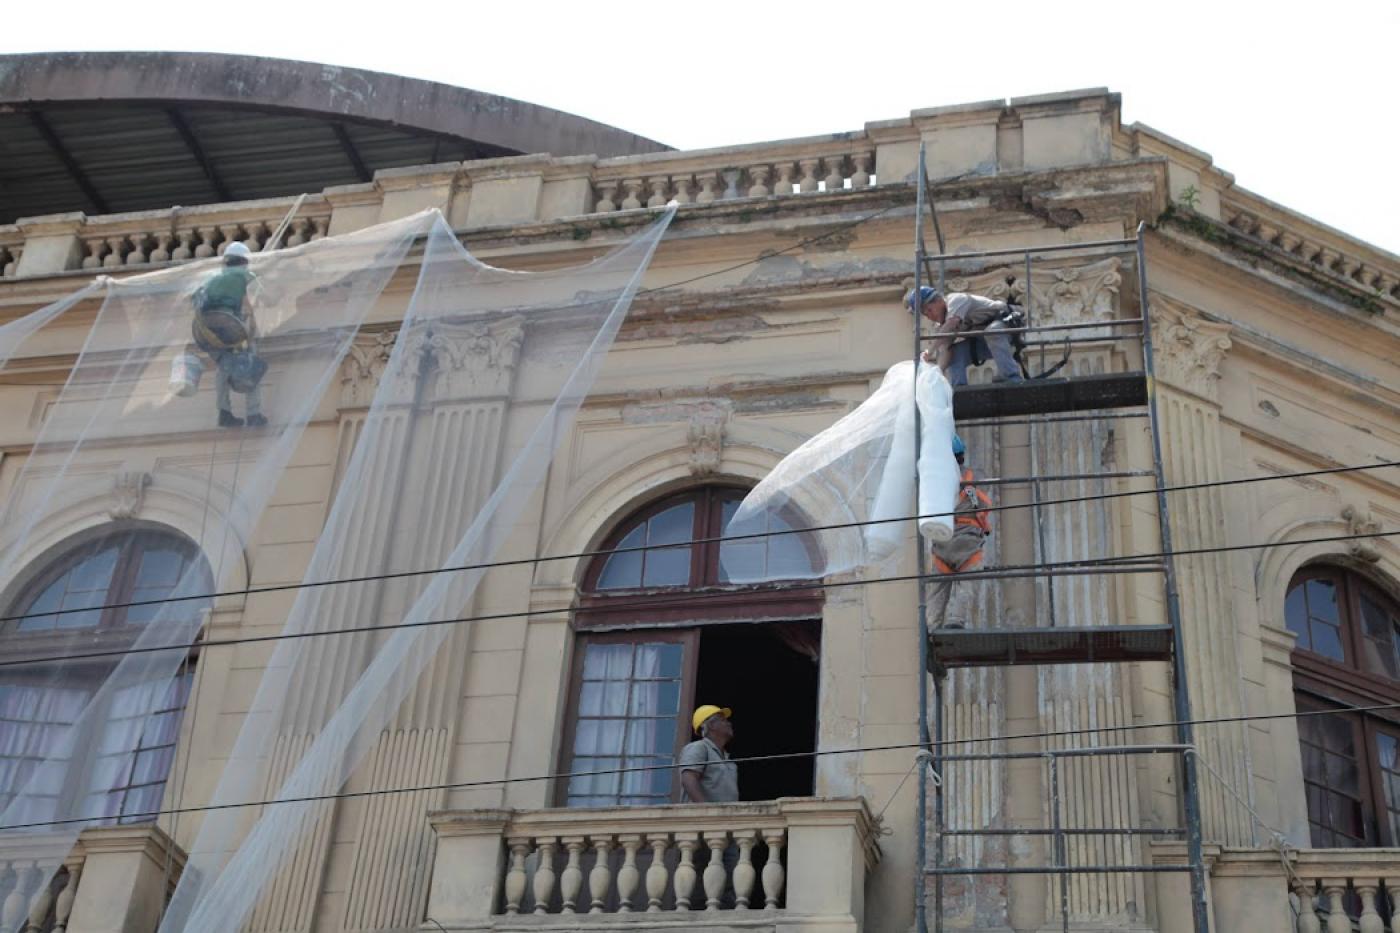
{"x": 706, "y": 437}
{"x": 1059, "y": 295}
{"x": 1361, "y": 522}
{"x": 364, "y": 365}
{"x": 128, "y": 494}
{"x": 473, "y": 360}
{"x": 1189, "y": 349}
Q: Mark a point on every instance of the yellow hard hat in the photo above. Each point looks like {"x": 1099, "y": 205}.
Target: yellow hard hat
{"x": 703, "y": 713}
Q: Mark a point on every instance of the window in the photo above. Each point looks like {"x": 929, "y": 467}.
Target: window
{"x": 1347, "y": 655}
{"x": 119, "y": 770}
{"x": 662, "y": 628}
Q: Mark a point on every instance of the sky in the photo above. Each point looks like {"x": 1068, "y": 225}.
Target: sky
{"x": 1300, "y": 109}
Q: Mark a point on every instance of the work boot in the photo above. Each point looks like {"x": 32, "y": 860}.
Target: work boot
{"x": 256, "y": 421}
{"x": 227, "y": 419}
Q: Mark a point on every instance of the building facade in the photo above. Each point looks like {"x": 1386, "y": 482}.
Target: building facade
{"x": 1277, "y": 352}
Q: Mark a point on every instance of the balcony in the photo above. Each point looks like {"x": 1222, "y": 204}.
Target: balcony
{"x": 788, "y": 865}
{"x": 116, "y": 879}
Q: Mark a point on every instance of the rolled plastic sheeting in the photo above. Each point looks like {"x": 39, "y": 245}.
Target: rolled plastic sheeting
{"x": 938, "y": 468}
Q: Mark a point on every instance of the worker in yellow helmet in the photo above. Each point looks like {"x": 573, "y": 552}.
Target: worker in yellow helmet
{"x": 708, "y": 774}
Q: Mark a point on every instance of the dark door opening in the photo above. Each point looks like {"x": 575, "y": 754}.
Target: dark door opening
{"x": 767, "y": 673}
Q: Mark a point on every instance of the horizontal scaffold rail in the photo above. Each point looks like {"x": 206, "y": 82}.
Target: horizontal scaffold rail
{"x": 949, "y": 648}
{"x": 1045, "y": 396}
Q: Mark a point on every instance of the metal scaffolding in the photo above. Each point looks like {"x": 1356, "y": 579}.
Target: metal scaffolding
{"x": 1035, "y": 405}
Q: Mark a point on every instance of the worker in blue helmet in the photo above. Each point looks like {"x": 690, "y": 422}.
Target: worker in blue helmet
{"x": 967, "y": 333}
{"x": 963, "y": 551}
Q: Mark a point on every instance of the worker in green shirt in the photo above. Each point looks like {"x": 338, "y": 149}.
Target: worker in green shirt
{"x": 224, "y": 328}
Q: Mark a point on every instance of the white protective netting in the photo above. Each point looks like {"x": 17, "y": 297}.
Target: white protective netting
{"x": 510, "y": 355}
{"x": 858, "y": 473}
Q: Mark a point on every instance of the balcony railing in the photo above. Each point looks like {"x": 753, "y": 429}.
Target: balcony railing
{"x": 688, "y": 865}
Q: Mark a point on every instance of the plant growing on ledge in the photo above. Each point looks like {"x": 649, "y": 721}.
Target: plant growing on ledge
{"x": 1189, "y": 197}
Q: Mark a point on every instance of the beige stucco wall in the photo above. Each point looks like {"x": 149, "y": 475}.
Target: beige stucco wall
{"x": 1260, "y": 372}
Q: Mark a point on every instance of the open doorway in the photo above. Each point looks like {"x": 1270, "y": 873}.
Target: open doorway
{"x": 768, "y": 674}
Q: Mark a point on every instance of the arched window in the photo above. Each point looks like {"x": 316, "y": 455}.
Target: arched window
{"x": 1347, "y": 655}
{"x": 121, "y": 770}
{"x": 662, "y": 629}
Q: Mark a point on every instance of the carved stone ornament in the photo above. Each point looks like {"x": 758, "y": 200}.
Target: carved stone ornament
{"x": 474, "y": 360}
{"x": 1059, "y": 295}
{"x": 1189, "y": 349}
{"x": 706, "y": 436}
{"x": 1361, "y": 523}
{"x": 363, "y": 366}
{"x": 128, "y": 494}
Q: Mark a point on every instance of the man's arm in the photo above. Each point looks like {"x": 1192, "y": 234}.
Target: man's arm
{"x": 690, "y": 783}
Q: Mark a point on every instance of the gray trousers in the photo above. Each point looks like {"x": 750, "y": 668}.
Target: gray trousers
{"x": 222, "y": 394}
{"x": 999, "y": 345}
{"x": 966, "y": 541}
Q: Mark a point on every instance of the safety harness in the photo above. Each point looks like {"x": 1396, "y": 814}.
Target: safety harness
{"x": 971, "y": 512}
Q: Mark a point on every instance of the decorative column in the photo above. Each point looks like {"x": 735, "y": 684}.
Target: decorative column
{"x": 1190, "y": 351}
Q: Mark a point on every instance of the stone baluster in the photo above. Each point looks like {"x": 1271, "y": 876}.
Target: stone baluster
{"x": 1266, "y": 232}
{"x": 809, "y": 168}
{"x": 600, "y": 878}
{"x": 319, "y": 226}
{"x": 864, "y": 161}
{"x": 634, "y": 187}
{"x": 115, "y": 245}
{"x": 164, "y": 242}
{"x": 835, "y": 178}
{"x": 1309, "y": 252}
{"x": 258, "y": 234}
{"x": 682, "y": 185}
{"x": 1370, "y": 921}
{"x": 660, "y": 185}
{"x": 16, "y": 903}
{"x": 571, "y": 881}
{"x": 758, "y": 174}
{"x": 1369, "y": 276}
{"x": 628, "y": 877}
{"x": 63, "y": 905}
{"x": 138, "y": 255}
{"x": 1327, "y": 258}
{"x": 42, "y": 903}
{"x": 684, "y": 881}
{"x": 731, "y": 183}
{"x": 1307, "y": 907}
{"x": 714, "y": 876}
{"x": 784, "y": 183}
{"x": 773, "y": 874}
{"x": 298, "y": 232}
{"x": 185, "y": 248}
{"x": 543, "y": 888}
{"x": 1386, "y": 285}
{"x": 1393, "y": 890}
{"x": 1350, "y": 267}
{"x": 656, "y": 872}
{"x": 1289, "y": 242}
{"x": 607, "y": 197}
{"x": 208, "y": 237}
{"x": 95, "y": 248}
{"x": 515, "y": 875}
{"x": 744, "y": 873}
{"x": 1335, "y": 889}
{"x": 708, "y": 182}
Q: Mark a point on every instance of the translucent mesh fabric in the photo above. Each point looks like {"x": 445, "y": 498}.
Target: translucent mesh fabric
{"x": 861, "y": 469}
{"x": 438, "y": 336}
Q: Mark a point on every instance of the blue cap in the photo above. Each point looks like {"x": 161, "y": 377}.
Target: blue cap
{"x": 927, "y": 294}
{"x": 958, "y": 448}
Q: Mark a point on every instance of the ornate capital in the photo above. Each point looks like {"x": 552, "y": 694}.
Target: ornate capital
{"x": 1360, "y": 522}
{"x": 1189, "y": 348}
{"x": 706, "y": 436}
{"x": 128, "y": 494}
{"x": 363, "y": 366}
{"x": 473, "y": 360}
{"x": 1060, "y": 295}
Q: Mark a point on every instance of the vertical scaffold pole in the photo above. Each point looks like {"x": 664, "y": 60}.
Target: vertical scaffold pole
{"x": 921, "y": 843}
{"x": 1181, "y": 695}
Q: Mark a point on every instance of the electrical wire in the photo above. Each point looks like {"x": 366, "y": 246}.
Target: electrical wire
{"x": 1085, "y": 566}
{"x": 717, "y": 539}
{"x": 779, "y": 756}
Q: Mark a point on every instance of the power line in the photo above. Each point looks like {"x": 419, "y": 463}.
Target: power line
{"x": 719, "y": 539}
{"x": 780, "y": 756}
{"x": 1083, "y": 566}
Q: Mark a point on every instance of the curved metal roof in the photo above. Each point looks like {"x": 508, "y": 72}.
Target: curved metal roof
{"x": 106, "y": 132}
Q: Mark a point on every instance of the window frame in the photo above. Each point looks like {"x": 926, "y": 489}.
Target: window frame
{"x": 1321, "y": 683}
{"x": 111, "y": 633}
{"x": 703, "y": 599}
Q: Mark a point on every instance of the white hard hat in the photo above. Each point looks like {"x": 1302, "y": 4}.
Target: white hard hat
{"x": 237, "y": 250}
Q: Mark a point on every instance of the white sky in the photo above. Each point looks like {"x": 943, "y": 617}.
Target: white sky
{"x": 1301, "y": 107}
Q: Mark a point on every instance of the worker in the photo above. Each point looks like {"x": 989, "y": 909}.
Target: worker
{"x": 224, "y": 327}
{"x": 708, "y": 774}
{"x": 967, "y": 333}
{"x": 963, "y": 551}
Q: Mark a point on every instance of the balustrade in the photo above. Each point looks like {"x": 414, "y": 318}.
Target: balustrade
{"x": 10, "y": 251}
{"x": 183, "y": 241}
{"x": 1335, "y": 904}
{"x": 795, "y": 857}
